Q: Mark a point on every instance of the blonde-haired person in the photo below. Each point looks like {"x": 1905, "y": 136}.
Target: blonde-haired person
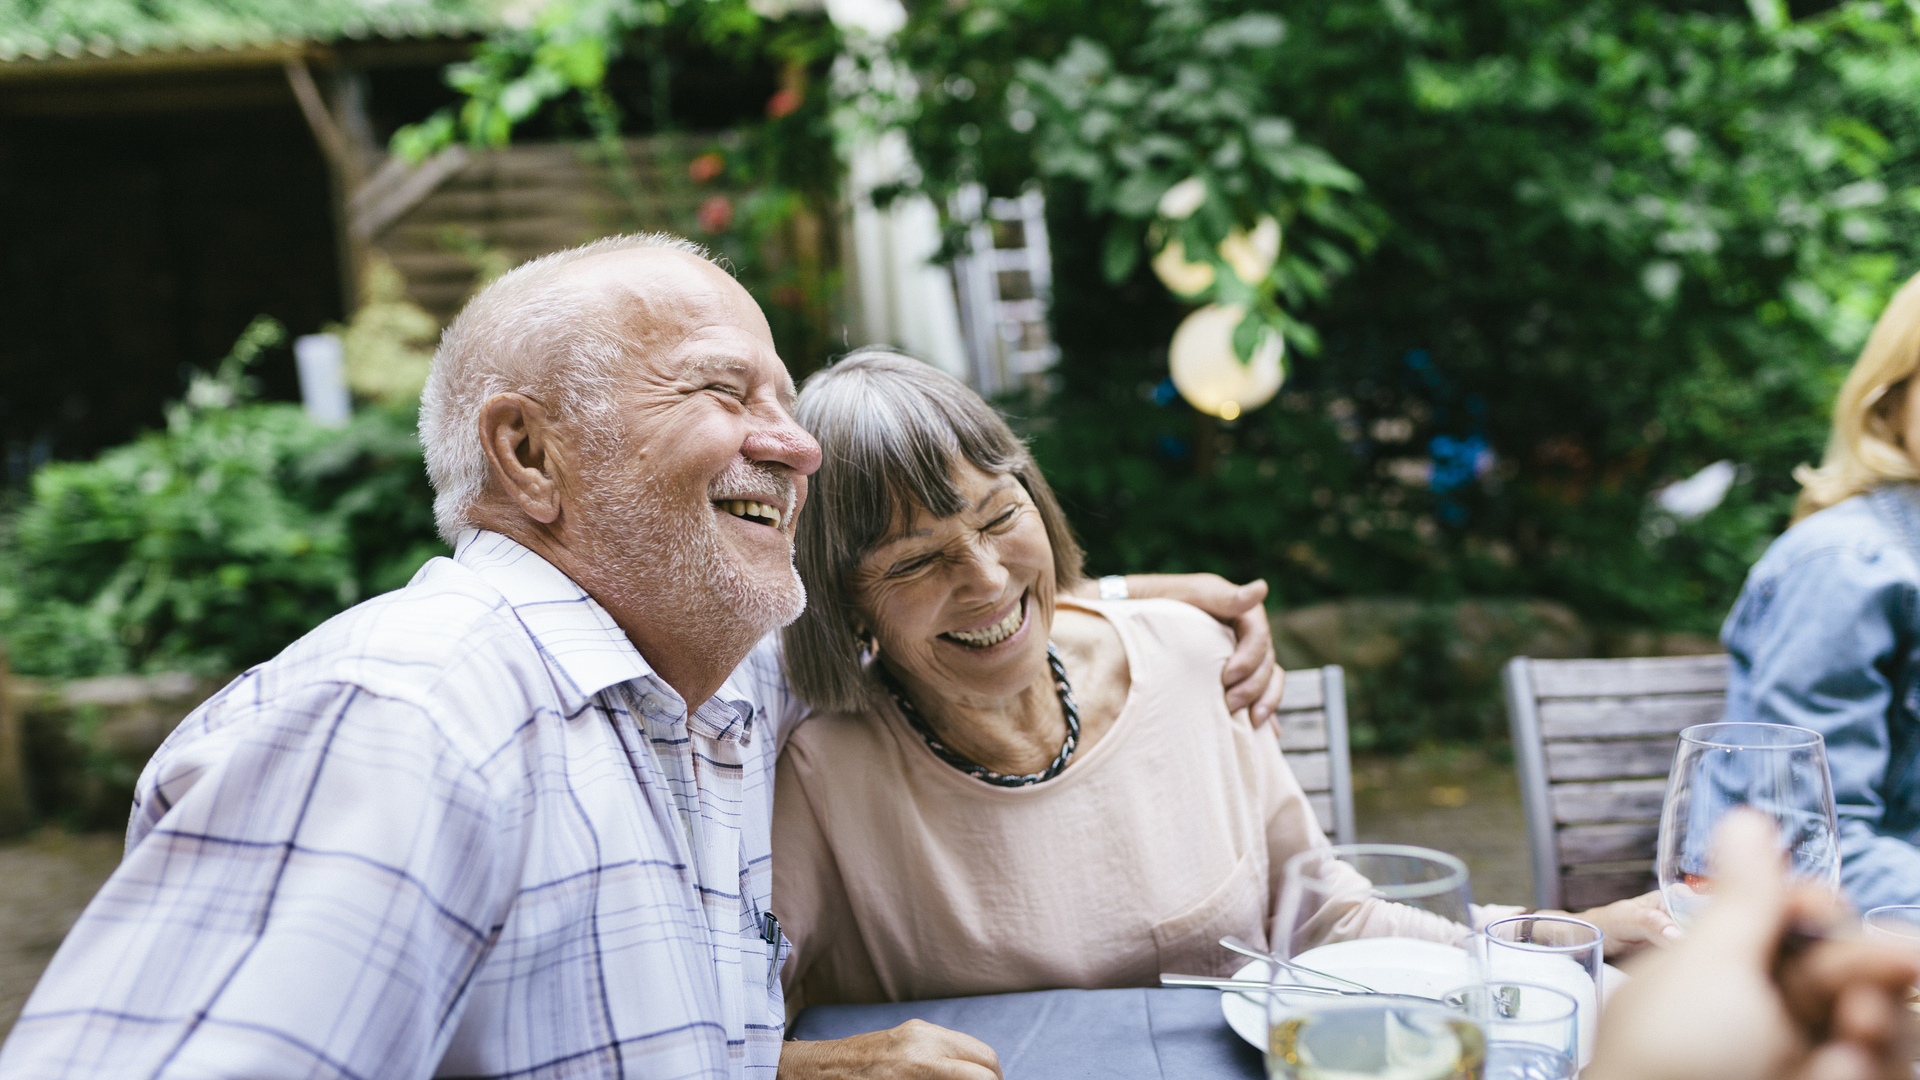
{"x": 1826, "y": 632}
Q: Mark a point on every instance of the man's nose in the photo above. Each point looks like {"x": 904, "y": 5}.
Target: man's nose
{"x": 785, "y": 442}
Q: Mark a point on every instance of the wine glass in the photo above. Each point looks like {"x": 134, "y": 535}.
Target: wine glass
{"x": 1778, "y": 770}
{"x": 1533, "y": 1031}
{"x": 1552, "y": 950}
{"x": 1365, "y": 1020}
{"x": 1898, "y": 923}
{"x": 1895, "y": 922}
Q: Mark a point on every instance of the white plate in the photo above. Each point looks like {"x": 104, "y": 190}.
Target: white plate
{"x": 1396, "y": 965}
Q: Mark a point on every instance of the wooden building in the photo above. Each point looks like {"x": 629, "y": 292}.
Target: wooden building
{"x": 159, "y": 189}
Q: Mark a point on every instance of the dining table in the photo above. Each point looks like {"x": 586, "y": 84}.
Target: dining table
{"x": 1128, "y": 1034}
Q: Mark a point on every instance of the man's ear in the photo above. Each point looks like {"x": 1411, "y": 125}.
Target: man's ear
{"x": 519, "y": 438}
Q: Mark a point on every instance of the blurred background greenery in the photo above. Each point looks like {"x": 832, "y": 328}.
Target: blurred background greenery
{"x": 1541, "y": 260}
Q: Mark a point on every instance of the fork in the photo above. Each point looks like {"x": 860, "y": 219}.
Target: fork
{"x": 1243, "y": 986}
{"x": 1253, "y": 986}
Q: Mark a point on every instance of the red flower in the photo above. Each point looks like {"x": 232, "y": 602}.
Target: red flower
{"x": 716, "y": 214}
{"x": 783, "y": 102}
{"x": 706, "y": 167}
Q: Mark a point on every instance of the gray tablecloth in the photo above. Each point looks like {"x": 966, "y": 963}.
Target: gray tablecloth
{"x": 1058, "y": 1034}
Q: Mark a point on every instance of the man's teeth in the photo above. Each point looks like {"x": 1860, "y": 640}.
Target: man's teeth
{"x": 991, "y": 635}
{"x": 753, "y": 511}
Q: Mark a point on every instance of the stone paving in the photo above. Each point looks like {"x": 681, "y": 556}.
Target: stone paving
{"x": 45, "y": 879}
{"x": 1458, "y": 801}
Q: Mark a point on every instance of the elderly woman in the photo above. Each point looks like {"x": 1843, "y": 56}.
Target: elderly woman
{"x": 1008, "y": 788}
{"x": 1826, "y": 632}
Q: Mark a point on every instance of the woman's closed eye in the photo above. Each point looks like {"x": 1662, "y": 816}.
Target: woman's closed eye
{"x": 1003, "y": 521}
{"x": 909, "y": 567}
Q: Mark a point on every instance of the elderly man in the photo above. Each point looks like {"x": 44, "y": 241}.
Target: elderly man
{"x": 511, "y": 820}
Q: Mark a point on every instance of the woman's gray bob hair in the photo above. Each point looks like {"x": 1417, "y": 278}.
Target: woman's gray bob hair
{"x": 892, "y": 433}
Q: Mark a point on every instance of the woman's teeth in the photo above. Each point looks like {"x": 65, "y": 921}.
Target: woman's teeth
{"x": 753, "y": 511}
{"x": 991, "y": 635}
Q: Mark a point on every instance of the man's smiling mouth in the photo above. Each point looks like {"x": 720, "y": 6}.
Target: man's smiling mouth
{"x": 758, "y": 512}
{"x": 988, "y": 636}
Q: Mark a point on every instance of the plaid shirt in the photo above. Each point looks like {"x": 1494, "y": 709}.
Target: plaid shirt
{"x": 459, "y": 830}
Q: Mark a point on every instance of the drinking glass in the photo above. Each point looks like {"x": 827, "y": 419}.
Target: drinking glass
{"x": 1533, "y": 1031}
{"x": 1558, "y": 951}
{"x": 1895, "y": 922}
{"x": 1351, "y": 1027}
{"x": 1778, "y": 770}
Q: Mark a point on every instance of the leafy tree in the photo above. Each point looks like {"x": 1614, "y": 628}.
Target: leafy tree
{"x": 1619, "y": 241}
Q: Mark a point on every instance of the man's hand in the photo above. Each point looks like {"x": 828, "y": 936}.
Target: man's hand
{"x": 916, "y": 1050}
{"x": 1252, "y": 677}
{"x": 1735, "y": 1001}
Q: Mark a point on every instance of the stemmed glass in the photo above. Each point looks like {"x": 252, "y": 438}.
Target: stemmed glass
{"x": 1352, "y": 1025}
{"x": 1778, "y": 770}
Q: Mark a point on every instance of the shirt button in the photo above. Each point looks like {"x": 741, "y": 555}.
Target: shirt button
{"x": 652, "y": 703}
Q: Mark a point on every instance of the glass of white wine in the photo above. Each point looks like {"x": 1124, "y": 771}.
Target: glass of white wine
{"x": 1775, "y": 769}
{"x": 1352, "y": 1024}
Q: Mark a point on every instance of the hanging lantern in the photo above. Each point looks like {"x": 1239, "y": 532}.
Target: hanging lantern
{"x": 1210, "y": 376}
{"x": 1183, "y": 278}
{"x": 1252, "y": 255}
{"x": 1179, "y": 202}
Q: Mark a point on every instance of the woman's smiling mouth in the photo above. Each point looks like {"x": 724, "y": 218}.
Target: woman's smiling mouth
{"x": 993, "y": 634}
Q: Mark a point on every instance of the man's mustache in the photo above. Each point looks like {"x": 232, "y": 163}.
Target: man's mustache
{"x": 746, "y": 478}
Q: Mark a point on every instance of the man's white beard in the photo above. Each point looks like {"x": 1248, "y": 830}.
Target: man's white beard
{"x": 655, "y": 552}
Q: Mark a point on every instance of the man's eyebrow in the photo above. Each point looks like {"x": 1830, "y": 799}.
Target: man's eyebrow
{"x": 706, "y": 366}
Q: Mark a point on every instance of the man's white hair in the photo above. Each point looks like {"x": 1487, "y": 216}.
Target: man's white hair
{"x": 531, "y": 332}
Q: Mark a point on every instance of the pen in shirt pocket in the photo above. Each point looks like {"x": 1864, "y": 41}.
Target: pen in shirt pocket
{"x": 770, "y": 933}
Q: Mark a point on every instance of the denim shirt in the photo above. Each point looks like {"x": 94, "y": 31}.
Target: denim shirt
{"x": 1826, "y": 635}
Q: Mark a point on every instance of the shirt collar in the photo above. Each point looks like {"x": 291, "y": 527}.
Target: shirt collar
{"x": 582, "y": 645}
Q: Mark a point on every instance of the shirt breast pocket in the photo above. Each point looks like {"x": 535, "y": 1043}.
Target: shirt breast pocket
{"x": 1188, "y": 943}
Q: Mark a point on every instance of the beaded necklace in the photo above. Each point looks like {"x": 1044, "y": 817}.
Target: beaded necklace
{"x": 975, "y": 769}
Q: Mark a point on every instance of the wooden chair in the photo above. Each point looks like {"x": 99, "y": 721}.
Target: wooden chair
{"x": 1313, "y": 735}
{"x": 1593, "y": 741}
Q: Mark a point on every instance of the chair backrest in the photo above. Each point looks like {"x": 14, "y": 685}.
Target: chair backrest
{"x": 1592, "y": 743}
{"x": 1313, "y": 734}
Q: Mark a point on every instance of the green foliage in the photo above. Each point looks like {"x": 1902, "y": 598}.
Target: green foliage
{"x": 1618, "y": 241}
{"x": 38, "y": 27}
{"x": 770, "y": 201}
{"x": 213, "y": 544}
{"x": 566, "y": 50}
{"x": 1188, "y": 113}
